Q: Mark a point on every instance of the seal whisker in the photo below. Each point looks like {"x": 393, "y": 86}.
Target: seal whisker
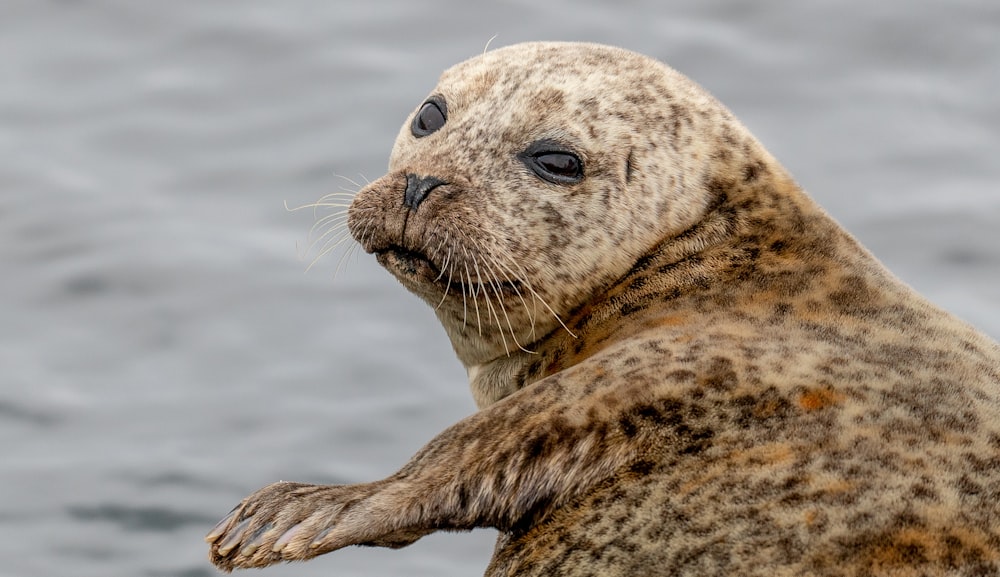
{"x": 331, "y": 220}
{"x": 337, "y": 194}
{"x": 485, "y": 282}
{"x": 475, "y": 301}
{"x": 503, "y": 309}
{"x": 344, "y": 237}
{"x": 450, "y": 267}
{"x": 351, "y": 250}
{"x": 527, "y": 284}
{"x": 444, "y": 269}
{"x": 368, "y": 231}
{"x": 348, "y": 179}
{"x": 344, "y": 209}
{"x": 554, "y": 314}
{"x": 465, "y": 300}
{"x": 324, "y": 239}
{"x": 447, "y": 260}
{"x": 331, "y": 235}
{"x": 427, "y": 239}
{"x": 492, "y": 311}
{"x": 531, "y": 313}
{"x": 333, "y": 242}
{"x": 342, "y": 193}
{"x": 491, "y": 266}
{"x": 479, "y": 277}
{"x": 321, "y": 203}
{"x": 487, "y": 47}
{"x": 506, "y": 260}
{"x": 444, "y": 262}
{"x": 445, "y": 295}
{"x": 465, "y": 304}
{"x": 494, "y": 265}
{"x": 331, "y": 223}
{"x": 519, "y": 279}
{"x": 333, "y": 228}
{"x": 500, "y": 259}
{"x": 332, "y": 199}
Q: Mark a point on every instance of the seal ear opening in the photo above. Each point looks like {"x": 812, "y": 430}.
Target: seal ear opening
{"x": 628, "y": 166}
{"x": 433, "y": 114}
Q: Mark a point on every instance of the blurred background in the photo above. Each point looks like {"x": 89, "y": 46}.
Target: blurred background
{"x": 163, "y": 351}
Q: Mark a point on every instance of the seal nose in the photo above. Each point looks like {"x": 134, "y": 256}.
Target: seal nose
{"x": 417, "y": 189}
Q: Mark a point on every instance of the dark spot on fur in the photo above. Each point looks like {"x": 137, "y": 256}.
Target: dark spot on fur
{"x": 631, "y": 308}
{"x": 669, "y": 267}
{"x": 722, "y": 154}
{"x": 537, "y": 447}
{"x": 766, "y": 405}
{"x": 500, "y": 481}
{"x": 728, "y": 137}
{"x": 751, "y": 172}
{"x": 912, "y": 553}
{"x": 642, "y": 468}
{"x": 783, "y": 309}
{"x": 698, "y": 441}
{"x": 923, "y": 491}
{"x": 855, "y": 297}
{"x": 549, "y": 98}
{"x": 967, "y": 486}
{"x": 628, "y": 426}
{"x": 720, "y": 375}
{"x": 681, "y": 376}
{"x": 672, "y": 294}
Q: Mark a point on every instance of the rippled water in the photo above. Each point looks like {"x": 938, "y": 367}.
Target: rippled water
{"x": 163, "y": 352}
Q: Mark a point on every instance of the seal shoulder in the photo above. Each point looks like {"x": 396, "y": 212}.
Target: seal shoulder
{"x": 839, "y": 461}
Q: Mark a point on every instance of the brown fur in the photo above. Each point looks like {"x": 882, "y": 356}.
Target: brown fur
{"x": 739, "y": 387}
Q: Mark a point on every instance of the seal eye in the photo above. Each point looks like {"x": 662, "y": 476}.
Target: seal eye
{"x": 552, "y": 162}
{"x": 559, "y": 164}
{"x": 431, "y": 116}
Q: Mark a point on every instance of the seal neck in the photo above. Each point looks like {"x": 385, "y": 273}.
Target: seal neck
{"x": 755, "y": 237}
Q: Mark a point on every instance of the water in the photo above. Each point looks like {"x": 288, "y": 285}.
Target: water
{"x": 163, "y": 352}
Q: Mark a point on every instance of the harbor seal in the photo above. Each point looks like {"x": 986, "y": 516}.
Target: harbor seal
{"x": 683, "y": 365}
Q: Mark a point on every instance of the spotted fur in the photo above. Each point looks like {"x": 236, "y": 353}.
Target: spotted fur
{"x": 683, "y": 365}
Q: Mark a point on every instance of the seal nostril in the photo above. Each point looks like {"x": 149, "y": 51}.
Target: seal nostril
{"x": 417, "y": 189}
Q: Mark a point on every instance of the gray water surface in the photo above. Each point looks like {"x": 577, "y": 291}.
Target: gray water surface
{"x": 163, "y": 352}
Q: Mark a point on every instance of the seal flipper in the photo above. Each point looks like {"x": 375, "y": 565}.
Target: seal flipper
{"x": 500, "y": 467}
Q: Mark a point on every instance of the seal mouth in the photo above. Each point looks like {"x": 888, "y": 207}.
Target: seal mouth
{"x": 404, "y": 262}
{"x": 412, "y": 266}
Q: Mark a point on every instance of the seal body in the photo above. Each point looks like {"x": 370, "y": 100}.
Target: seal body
{"x": 683, "y": 365}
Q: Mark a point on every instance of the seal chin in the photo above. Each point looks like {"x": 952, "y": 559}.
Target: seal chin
{"x": 419, "y": 273}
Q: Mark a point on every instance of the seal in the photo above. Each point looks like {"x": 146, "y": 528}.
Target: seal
{"x": 683, "y": 364}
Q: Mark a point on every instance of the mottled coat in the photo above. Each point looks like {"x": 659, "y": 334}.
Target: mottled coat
{"x": 683, "y": 365}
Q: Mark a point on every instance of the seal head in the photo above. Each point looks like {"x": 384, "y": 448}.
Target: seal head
{"x": 516, "y": 195}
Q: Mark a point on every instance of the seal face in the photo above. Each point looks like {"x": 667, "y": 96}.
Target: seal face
{"x": 683, "y": 365}
{"x": 543, "y": 191}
